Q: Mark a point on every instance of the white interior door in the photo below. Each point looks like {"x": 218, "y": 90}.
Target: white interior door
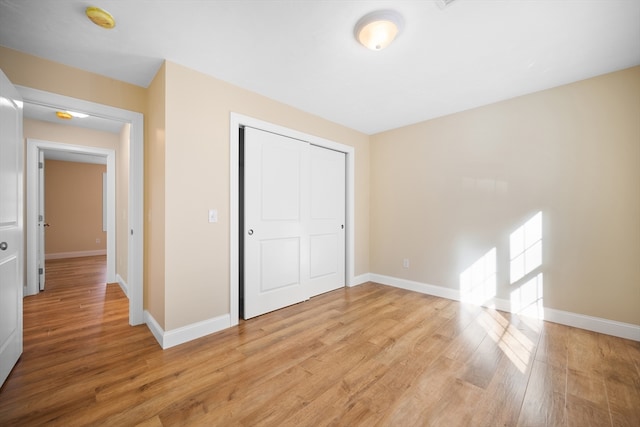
{"x": 11, "y": 229}
{"x": 327, "y": 221}
{"x": 276, "y": 212}
{"x": 41, "y": 220}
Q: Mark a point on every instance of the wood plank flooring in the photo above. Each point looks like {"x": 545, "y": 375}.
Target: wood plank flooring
{"x": 366, "y": 356}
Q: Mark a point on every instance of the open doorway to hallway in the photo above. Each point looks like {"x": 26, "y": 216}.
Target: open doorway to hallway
{"x": 74, "y": 212}
{"x": 133, "y": 231}
{"x": 64, "y": 198}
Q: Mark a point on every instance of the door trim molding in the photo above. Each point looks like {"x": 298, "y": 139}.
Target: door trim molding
{"x": 236, "y": 122}
{"x": 135, "y": 273}
{"x": 34, "y": 146}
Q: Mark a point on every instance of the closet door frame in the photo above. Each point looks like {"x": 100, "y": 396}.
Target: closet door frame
{"x": 238, "y": 121}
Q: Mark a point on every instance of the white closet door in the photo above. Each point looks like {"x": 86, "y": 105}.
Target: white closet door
{"x": 326, "y": 226}
{"x": 276, "y": 215}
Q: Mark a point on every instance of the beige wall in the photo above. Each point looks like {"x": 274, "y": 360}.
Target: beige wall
{"x": 187, "y": 173}
{"x": 196, "y": 163}
{"x": 38, "y": 73}
{"x": 446, "y": 191}
{"x": 443, "y": 192}
{"x": 73, "y": 207}
{"x": 122, "y": 202}
{"x": 154, "y": 200}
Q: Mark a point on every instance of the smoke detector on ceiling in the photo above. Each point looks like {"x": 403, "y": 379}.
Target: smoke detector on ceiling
{"x": 100, "y": 17}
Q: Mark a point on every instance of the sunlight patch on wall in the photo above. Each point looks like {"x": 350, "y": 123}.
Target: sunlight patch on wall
{"x": 527, "y": 298}
{"x": 478, "y": 282}
{"x": 525, "y": 248}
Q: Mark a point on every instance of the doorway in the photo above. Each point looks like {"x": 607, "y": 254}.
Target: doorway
{"x": 236, "y": 123}
{"x": 37, "y": 150}
{"x": 136, "y": 189}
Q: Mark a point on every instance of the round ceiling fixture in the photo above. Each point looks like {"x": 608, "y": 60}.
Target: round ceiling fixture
{"x": 376, "y": 30}
{"x": 100, "y": 17}
{"x": 64, "y": 115}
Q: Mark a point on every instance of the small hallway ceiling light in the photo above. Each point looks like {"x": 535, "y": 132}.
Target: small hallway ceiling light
{"x": 376, "y": 30}
{"x": 68, "y": 115}
{"x": 100, "y": 17}
{"x": 64, "y": 115}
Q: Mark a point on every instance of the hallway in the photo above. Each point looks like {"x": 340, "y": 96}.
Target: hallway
{"x": 74, "y": 333}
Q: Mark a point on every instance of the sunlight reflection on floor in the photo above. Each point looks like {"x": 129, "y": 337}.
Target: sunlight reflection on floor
{"x": 513, "y": 343}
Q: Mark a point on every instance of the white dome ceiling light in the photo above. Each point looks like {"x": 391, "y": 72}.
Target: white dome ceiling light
{"x": 376, "y": 30}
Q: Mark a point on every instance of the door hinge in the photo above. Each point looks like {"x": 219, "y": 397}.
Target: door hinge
{"x": 40, "y": 165}
{"x": 41, "y": 270}
{"x": 40, "y": 218}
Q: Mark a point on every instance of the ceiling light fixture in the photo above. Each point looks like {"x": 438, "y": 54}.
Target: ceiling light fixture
{"x": 100, "y": 17}
{"x": 64, "y": 115}
{"x": 68, "y": 115}
{"x": 378, "y": 29}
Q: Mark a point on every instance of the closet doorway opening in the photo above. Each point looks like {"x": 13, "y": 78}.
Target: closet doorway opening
{"x": 302, "y": 151}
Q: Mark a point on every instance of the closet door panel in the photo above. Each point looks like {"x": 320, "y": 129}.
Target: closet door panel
{"x": 327, "y": 220}
{"x": 276, "y": 212}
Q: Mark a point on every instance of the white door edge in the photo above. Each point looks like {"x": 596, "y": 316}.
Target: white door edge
{"x": 136, "y": 182}
{"x": 239, "y": 120}
{"x": 40, "y": 228}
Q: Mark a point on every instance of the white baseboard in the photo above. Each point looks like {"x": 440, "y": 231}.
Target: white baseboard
{"x": 123, "y": 285}
{"x": 154, "y": 327}
{"x": 181, "y": 335}
{"x": 590, "y": 323}
{"x": 595, "y": 324}
{"x": 359, "y": 280}
{"x": 77, "y": 254}
{"x": 410, "y": 285}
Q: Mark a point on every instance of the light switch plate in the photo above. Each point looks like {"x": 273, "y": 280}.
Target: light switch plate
{"x": 213, "y": 215}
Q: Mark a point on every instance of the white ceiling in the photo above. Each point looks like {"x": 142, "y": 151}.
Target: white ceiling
{"x": 303, "y": 53}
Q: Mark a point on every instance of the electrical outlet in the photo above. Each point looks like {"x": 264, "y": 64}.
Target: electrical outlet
{"x": 97, "y": 241}
{"x": 405, "y": 263}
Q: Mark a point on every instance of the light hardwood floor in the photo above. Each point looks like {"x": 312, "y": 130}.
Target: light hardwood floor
{"x": 370, "y": 355}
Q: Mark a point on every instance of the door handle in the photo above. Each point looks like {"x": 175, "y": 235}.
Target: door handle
{"x": 250, "y": 232}
{"x": 3, "y": 246}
